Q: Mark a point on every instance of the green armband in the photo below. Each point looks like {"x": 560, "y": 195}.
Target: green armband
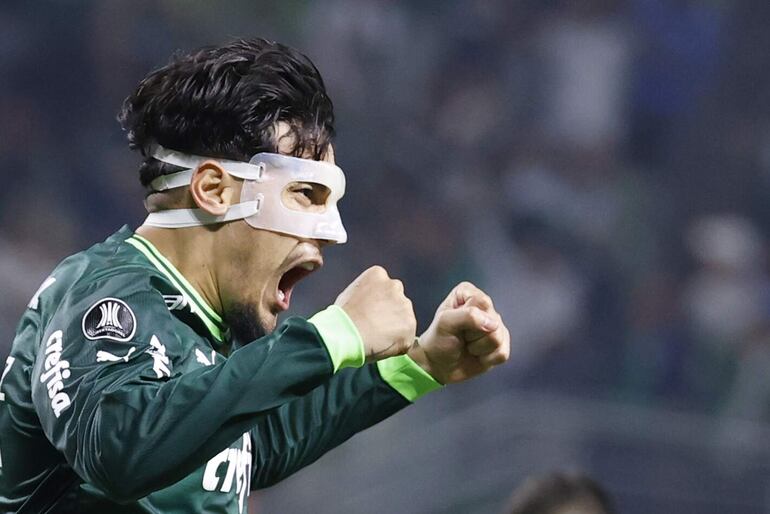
{"x": 341, "y": 337}
{"x": 407, "y": 377}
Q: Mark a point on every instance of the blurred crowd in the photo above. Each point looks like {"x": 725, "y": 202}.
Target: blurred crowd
{"x": 602, "y": 167}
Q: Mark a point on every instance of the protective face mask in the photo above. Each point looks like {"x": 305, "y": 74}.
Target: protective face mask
{"x": 265, "y": 177}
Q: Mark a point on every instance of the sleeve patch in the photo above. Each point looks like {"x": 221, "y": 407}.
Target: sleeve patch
{"x": 109, "y": 318}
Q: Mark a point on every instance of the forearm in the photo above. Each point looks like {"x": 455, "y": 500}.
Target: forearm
{"x": 296, "y": 434}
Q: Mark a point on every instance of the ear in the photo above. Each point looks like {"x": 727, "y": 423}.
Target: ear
{"x": 212, "y": 188}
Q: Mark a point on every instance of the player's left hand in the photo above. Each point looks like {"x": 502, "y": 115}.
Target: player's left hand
{"x": 466, "y": 338}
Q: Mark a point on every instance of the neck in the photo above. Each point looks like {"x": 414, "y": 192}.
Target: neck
{"x": 189, "y": 250}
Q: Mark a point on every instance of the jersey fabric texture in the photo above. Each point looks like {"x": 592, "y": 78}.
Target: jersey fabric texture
{"x": 118, "y": 396}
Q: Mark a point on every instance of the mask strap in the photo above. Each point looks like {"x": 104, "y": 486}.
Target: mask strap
{"x": 243, "y": 170}
{"x": 180, "y": 218}
{"x": 172, "y": 180}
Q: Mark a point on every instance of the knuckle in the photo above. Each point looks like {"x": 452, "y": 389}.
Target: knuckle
{"x": 475, "y": 314}
{"x": 495, "y": 359}
{"x": 483, "y": 301}
{"x": 378, "y": 271}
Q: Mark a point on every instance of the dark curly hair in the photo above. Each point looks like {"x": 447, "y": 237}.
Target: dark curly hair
{"x": 224, "y": 101}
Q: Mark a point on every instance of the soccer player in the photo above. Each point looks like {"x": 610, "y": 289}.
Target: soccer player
{"x": 149, "y": 374}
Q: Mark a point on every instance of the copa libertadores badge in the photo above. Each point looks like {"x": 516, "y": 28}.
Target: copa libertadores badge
{"x": 109, "y": 318}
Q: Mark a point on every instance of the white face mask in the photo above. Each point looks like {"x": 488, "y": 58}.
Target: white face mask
{"x": 265, "y": 177}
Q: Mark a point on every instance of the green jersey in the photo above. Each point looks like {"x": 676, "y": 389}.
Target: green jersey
{"x": 118, "y": 397}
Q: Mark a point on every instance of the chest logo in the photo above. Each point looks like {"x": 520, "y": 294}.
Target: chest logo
{"x": 102, "y": 356}
{"x": 109, "y": 318}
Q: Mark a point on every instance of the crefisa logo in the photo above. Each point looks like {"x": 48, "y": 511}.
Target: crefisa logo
{"x": 109, "y": 318}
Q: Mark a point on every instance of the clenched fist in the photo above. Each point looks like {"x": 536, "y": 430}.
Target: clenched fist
{"x": 382, "y": 313}
{"x": 466, "y": 338}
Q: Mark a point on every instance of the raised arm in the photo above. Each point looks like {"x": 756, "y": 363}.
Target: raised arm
{"x": 129, "y": 420}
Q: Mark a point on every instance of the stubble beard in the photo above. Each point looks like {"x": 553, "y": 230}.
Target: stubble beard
{"x": 245, "y": 325}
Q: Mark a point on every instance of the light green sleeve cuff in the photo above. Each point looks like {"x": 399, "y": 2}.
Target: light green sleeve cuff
{"x": 341, "y": 337}
{"x": 407, "y": 377}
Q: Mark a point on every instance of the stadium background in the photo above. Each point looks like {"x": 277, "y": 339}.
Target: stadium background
{"x": 601, "y": 167}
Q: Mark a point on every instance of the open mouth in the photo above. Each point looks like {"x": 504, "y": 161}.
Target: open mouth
{"x": 290, "y": 279}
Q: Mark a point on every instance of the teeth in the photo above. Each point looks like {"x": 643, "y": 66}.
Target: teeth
{"x": 281, "y": 296}
{"x": 308, "y": 266}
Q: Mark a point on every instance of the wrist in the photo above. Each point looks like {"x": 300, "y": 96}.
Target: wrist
{"x": 418, "y": 355}
{"x": 407, "y": 377}
{"x": 340, "y": 336}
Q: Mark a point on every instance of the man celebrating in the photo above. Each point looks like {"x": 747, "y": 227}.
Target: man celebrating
{"x": 149, "y": 374}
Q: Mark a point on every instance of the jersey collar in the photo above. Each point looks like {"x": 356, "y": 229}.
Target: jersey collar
{"x": 201, "y": 308}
